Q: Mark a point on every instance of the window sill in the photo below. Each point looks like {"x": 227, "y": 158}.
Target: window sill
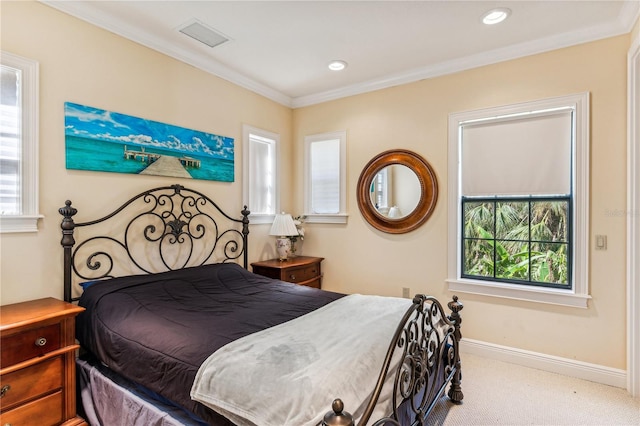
{"x": 326, "y": 218}
{"x": 14, "y": 224}
{"x": 518, "y": 292}
{"x": 261, "y": 218}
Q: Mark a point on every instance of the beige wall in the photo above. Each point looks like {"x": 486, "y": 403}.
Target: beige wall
{"x": 84, "y": 64}
{"x": 414, "y": 116}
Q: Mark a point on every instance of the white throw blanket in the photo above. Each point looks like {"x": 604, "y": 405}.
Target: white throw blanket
{"x": 289, "y": 374}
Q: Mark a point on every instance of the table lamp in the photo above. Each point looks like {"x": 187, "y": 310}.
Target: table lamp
{"x": 283, "y": 227}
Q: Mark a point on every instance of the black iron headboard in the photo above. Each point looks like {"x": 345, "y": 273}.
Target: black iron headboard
{"x": 161, "y": 229}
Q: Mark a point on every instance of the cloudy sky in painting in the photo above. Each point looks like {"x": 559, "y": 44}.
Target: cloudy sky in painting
{"x": 93, "y": 123}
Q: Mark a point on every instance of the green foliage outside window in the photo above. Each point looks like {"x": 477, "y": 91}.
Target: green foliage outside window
{"x": 515, "y": 240}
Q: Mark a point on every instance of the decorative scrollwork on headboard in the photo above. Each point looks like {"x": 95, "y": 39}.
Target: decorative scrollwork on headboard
{"x": 160, "y": 229}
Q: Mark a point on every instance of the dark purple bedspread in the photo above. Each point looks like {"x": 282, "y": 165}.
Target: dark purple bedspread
{"x": 157, "y": 329}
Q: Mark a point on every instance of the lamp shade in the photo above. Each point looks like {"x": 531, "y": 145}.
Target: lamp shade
{"x": 283, "y": 226}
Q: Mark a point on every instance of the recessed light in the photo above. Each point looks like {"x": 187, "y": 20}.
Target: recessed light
{"x": 337, "y": 65}
{"x": 495, "y": 16}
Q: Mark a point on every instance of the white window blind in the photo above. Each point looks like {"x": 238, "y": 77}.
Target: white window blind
{"x": 10, "y": 182}
{"x": 18, "y": 144}
{"x": 262, "y": 176}
{"x": 325, "y": 175}
{"x": 523, "y": 155}
{"x": 260, "y": 173}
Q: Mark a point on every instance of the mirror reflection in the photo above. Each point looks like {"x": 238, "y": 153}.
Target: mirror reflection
{"x": 395, "y": 191}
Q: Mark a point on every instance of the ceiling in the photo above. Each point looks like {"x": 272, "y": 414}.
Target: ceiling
{"x": 281, "y": 49}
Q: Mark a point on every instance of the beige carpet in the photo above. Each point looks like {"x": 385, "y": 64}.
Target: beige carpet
{"x": 499, "y": 393}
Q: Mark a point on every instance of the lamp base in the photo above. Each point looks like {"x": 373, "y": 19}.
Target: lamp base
{"x": 283, "y": 247}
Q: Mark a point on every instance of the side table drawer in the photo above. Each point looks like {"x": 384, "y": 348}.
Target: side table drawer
{"x": 46, "y": 411}
{"x": 31, "y": 382}
{"x": 29, "y": 344}
{"x": 300, "y": 270}
{"x": 317, "y": 283}
{"x": 306, "y": 273}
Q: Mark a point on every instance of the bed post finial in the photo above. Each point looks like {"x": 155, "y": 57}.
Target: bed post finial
{"x": 67, "y": 224}
{"x": 245, "y": 234}
{"x": 67, "y": 242}
{"x": 455, "y": 391}
{"x": 337, "y": 417}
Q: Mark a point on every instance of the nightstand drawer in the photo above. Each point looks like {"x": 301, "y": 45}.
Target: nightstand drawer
{"x": 37, "y": 363}
{"x": 301, "y": 270}
{"x": 29, "y": 344}
{"x": 303, "y": 274}
{"x": 31, "y": 382}
{"x": 45, "y": 411}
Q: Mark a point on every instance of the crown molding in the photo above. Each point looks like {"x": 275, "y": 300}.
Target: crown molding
{"x": 88, "y": 11}
{"x": 480, "y": 59}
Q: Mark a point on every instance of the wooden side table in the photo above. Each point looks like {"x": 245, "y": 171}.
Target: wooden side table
{"x": 37, "y": 363}
{"x": 303, "y": 270}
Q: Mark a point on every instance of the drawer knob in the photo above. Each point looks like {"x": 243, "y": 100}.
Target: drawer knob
{"x": 41, "y": 341}
{"x": 293, "y": 277}
{"x": 4, "y": 390}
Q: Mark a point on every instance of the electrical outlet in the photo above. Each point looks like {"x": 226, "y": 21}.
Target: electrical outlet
{"x": 406, "y": 292}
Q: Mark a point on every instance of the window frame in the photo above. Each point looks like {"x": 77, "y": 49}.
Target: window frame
{"x": 341, "y": 216}
{"x": 27, "y": 220}
{"x": 578, "y": 295}
{"x": 529, "y": 200}
{"x": 247, "y": 132}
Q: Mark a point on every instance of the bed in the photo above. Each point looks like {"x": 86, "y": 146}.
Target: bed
{"x": 177, "y": 331}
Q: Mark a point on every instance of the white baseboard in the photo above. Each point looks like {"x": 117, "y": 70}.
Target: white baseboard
{"x": 568, "y": 367}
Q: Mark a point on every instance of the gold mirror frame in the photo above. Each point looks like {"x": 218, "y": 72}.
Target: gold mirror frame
{"x": 428, "y": 193}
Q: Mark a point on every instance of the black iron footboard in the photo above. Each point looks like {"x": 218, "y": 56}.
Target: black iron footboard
{"x": 428, "y": 341}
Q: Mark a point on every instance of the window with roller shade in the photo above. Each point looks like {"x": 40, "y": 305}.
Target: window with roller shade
{"x": 18, "y": 144}
{"x": 520, "y": 192}
{"x": 260, "y": 180}
{"x": 516, "y": 199}
{"x": 325, "y": 177}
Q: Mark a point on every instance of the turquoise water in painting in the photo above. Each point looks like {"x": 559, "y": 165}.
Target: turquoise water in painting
{"x": 104, "y": 156}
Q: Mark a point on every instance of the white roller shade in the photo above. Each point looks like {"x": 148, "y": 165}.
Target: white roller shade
{"x": 527, "y": 155}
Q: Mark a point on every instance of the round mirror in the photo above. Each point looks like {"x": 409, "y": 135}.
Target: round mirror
{"x": 397, "y": 191}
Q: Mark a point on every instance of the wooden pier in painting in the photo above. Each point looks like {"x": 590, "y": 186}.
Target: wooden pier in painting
{"x": 166, "y": 166}
{"x": 162, "y": 165}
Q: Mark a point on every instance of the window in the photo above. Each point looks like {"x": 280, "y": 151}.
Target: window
{"x": 519, "y": 184}
{"x": 18, "y": 144}
{"x": 380, "y": 190}
{"x": 325, "y": 177}
{"x": 260, "y": 173}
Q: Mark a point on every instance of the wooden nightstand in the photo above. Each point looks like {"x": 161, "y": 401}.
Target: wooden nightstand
{"x": 37, "y": 363}
{"x": 303, "y": 270}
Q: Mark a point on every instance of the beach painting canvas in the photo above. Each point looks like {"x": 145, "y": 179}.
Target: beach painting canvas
{"x": 106, "y": 141}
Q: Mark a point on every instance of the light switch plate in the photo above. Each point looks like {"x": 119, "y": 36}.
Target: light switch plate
{"x": 601, "y": 242}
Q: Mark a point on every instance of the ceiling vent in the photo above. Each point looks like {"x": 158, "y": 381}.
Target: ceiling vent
{"x": 204, "y": 34}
